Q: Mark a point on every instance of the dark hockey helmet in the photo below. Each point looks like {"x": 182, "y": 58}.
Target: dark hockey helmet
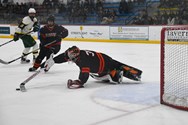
{"x": 51, "y": 21}
{"x": 73, "y": 53}
{"x": 51, "y": 18}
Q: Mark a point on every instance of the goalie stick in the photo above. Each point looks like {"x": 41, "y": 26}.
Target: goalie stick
{"x": 22, "y": 85}
{"x": 13, "y": 39}
{"x": 5, "y": 62}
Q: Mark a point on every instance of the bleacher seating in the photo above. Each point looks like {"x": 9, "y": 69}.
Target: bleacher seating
{"x": 62, "y": 17}
{"x": 121, "y": 19}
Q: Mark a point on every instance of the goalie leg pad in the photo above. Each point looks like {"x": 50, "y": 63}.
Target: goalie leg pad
{"x": 132, "y": 73}
{"x": 117, "y": 76}
{"x": 105, "y": 78}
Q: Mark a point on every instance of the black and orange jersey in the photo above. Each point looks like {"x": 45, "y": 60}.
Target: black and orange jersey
{"x": 88, "y": 62}
{"x": 94, "y": 62}
{"x": 47, "y": 34}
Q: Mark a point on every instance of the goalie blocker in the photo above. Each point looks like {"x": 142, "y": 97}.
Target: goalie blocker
{"x": 91, "y": 62}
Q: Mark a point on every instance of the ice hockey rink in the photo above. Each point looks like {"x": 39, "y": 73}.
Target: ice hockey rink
{"x": 48, "y": 101}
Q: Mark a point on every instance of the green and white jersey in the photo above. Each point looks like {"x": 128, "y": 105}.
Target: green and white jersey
{"x": 26, "y": 25}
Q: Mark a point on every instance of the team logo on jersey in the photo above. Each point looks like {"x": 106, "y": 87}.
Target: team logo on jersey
{"x": 50, "y": 34}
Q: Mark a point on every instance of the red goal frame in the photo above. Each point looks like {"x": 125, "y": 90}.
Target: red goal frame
{"x": 162, "y": 65}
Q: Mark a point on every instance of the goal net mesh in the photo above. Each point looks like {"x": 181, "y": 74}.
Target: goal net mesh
{"x": 174, "y": 67}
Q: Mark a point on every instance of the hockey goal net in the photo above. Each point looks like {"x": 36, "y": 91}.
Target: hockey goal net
{"x": 174, "y": 67}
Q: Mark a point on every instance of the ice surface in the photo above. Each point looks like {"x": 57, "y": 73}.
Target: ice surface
{"x": 48, "y": 101}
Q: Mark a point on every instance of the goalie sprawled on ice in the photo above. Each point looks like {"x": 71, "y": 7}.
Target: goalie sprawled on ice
{"x": 97, "y": 65}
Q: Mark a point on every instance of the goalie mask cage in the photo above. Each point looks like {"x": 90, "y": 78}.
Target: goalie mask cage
{"x": 174, "y": 67}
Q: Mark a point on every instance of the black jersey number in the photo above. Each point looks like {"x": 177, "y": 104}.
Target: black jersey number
{"x": 89, "y": 53}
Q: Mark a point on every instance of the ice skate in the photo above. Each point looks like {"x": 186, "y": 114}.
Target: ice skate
{"x": 32, "y": 69}
{"x": 24, "y": 60}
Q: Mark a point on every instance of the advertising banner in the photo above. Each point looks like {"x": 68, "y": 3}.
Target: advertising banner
{"x": 4, "y": 30}
{"x": 177, "y": 35}
{"x": 129, "y": 32}
{"x": 90, "y": 32}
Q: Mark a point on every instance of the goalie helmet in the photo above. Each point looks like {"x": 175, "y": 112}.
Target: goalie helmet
{"x": 73, "y": 53}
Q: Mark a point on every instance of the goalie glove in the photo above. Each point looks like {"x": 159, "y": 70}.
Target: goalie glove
{"x": 49, "y": 63}
{"x": 74, "y": 84}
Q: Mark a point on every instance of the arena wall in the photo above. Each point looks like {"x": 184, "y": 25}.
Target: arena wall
{"x": 127, "y": 34}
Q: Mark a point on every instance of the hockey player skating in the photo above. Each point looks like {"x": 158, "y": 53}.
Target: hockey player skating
{"x": 28, "y": 23}
{"x": 50, "y": 34}
{"x": 98, "y": 65}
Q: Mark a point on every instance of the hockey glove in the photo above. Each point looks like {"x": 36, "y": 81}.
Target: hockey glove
{"x": 74, "y": 84}
{"x": 16, "y": 37}
{"x": 36, "y": 28}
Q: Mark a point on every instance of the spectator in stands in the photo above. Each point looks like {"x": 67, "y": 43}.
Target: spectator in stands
{"x": 99, "y": 5}
{"x": 109, "y": 17}
{"x": 100, "y": 14}
{"x": 5, "y": 2}
{"x": 91, "y": 6}
{"x": 83, "y": 14}
{"x": 140, "y": 2}
{"x": 123, "y": 7}
{"x": 144, "y": 15}
{"x": 164, "y": 17}
{"x": 149, "y": 21}
{"x": 61, "y": 8}
{"x": 156, "y": 20}
{"x": 171, "y": 19}
{"x": 130, "y": 5}
{"x": 104, "y": 20}
{"x": 137, "y": 21}
{"x": 163, "y": 4}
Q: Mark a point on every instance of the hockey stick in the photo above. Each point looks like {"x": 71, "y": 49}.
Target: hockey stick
{"x": 13, "y": 39}
{"x": 6, "y": 42}
{"x": 22, "y": 85}
{"x": 4, "y": 62}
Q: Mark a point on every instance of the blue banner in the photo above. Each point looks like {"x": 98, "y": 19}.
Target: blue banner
{"x": 4, "y": 30}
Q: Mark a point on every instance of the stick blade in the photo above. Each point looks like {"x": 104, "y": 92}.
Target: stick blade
{"x": 22, "y": 88}
{"x": 3, "y": 62}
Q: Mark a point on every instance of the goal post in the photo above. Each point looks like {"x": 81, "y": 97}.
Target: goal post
{"x": 174, "y": 67}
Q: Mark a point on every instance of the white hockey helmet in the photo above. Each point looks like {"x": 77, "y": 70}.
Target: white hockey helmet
{"x": 31, "y": 10}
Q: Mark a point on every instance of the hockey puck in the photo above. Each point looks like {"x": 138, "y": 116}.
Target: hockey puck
{"x": 17, "y": 89}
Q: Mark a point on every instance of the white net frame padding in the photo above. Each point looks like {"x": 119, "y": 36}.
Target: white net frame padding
{"x": 174, "y": 67}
